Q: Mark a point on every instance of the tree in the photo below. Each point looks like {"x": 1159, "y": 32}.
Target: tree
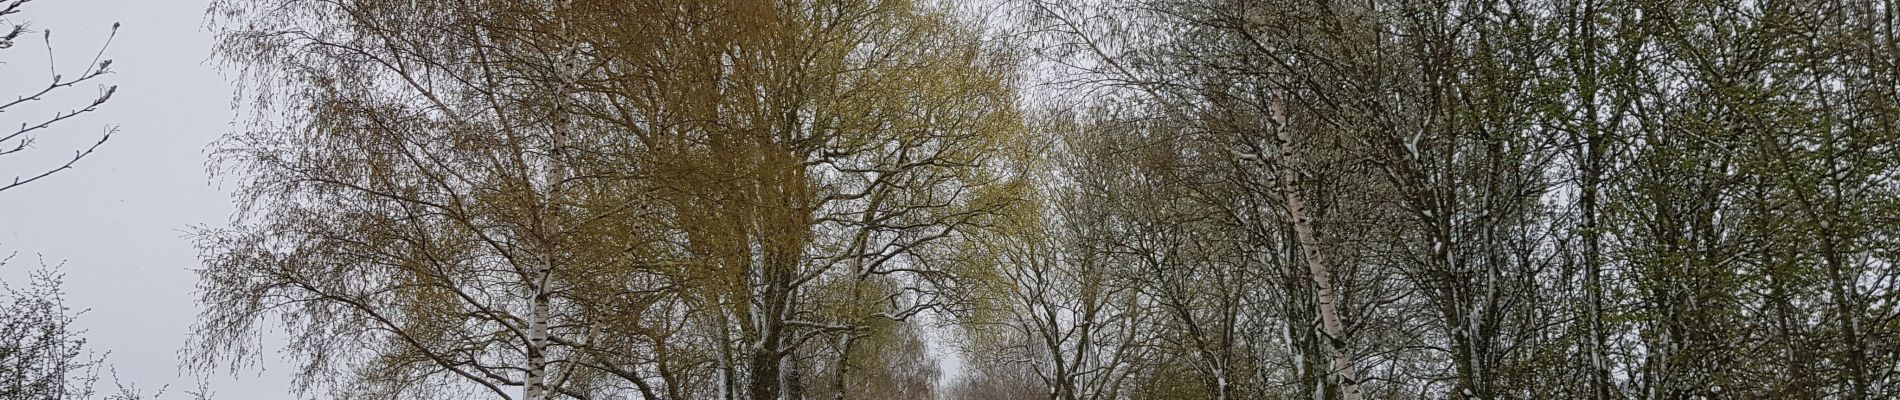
{"x": 1056, "y": 298}
{"x": 502, "y": 195}
{"x": 43, "y": 356}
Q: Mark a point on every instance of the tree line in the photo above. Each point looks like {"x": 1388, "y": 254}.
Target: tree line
{"x": 1080, "y": 199}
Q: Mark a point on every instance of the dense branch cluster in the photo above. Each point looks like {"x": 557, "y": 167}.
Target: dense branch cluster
{"x": 1189, "y": 199}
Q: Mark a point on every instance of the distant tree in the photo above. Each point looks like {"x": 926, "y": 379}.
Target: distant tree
{"x": 43, "y": 356}
{"x": 14, "y": 142}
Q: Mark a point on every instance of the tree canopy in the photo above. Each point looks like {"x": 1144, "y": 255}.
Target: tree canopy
{"x": 1078, "y": 199}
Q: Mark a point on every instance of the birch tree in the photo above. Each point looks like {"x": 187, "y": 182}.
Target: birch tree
{"x": 536, "y": 198}
{"x": 410, "y": 184}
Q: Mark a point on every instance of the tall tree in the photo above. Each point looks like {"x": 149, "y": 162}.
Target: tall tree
{"x": 533, "y": 195}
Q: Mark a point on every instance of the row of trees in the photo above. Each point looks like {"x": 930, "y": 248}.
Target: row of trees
{"x": 1224, "y": 199}
{"x": 1459, "y": 199}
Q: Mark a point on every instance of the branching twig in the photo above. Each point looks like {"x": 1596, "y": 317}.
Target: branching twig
{"x": 23, "y": 138}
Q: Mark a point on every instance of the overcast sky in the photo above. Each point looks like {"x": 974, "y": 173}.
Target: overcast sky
{"x": 118, "y": 219}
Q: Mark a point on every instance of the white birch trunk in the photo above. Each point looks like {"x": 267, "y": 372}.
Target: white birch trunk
{"x": 536, "y": 387}
{"x": 1347, "y": 374}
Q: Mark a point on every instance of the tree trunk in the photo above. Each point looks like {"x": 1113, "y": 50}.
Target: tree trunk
{"x": 1324, "y": 293}
{"x": 838, "y": 387}
{"x": 1591, "y": 164}
{"x": 536, "y": 387}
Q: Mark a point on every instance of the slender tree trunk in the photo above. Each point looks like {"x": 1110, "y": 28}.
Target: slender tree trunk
{"x": 1324, "y": 293}
{"x": 536, "y": 387}
{"x": 1840, "y": 292}
{"x": 728, "y": 361}
{"x": 1591, "y": 163}
{"x": 1841, "y": 278}
{"x": 846, "y": 342}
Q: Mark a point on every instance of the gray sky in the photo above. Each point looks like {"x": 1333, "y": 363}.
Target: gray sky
{"x": 118, "y": 219}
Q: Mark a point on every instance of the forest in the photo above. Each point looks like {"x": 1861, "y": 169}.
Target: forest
{"x": 1054, "y": 199}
